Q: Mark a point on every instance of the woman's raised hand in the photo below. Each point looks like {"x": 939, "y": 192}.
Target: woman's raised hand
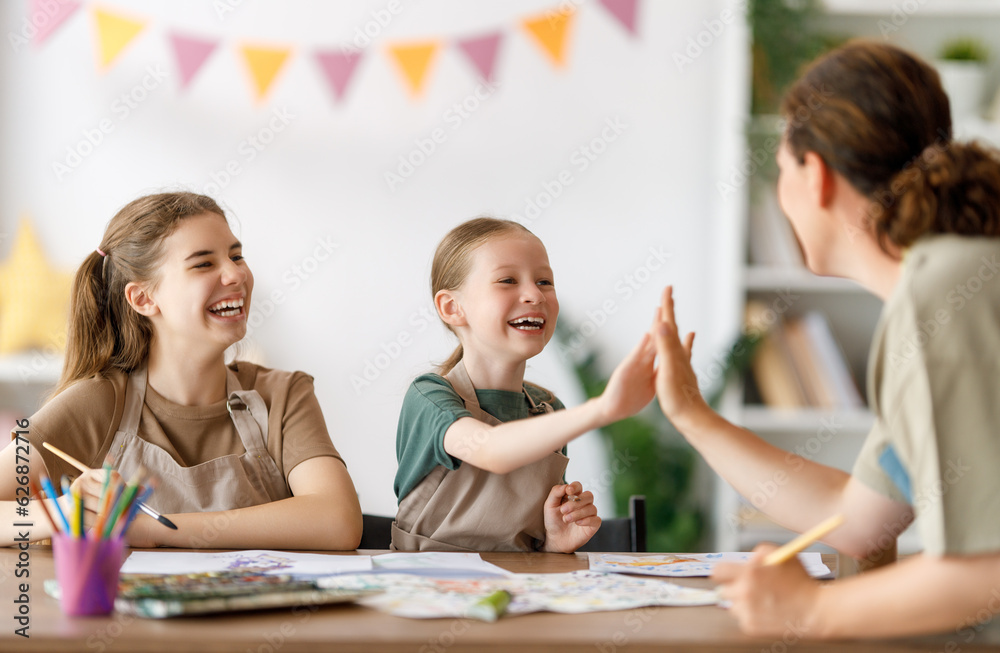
{"x": 676, "y": 383}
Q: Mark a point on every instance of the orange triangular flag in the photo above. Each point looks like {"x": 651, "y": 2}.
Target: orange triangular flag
{"x": 265, "y": 63}
{"x": 414, "y": 60}
{"x": 114, "y": 32}
{"x": 549, "y": 30}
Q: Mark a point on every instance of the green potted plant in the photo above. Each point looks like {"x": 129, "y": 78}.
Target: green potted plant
{"x": 962, "y": 66}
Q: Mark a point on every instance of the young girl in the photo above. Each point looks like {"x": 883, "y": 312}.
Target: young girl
{"x": 242, "y": 453}
{"x": 474, "y": 473}
{"x": 878, "y": 192}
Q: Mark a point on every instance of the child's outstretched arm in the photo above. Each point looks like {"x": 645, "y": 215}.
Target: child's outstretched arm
{"x": 569, "y": 522}
{"x": 323, "y": 514}
{"x": 505, "y": 447}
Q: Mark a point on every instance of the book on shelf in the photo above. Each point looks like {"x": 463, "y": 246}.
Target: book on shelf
{"x": 799, "y": 364}
{"x": 772, "y": 240}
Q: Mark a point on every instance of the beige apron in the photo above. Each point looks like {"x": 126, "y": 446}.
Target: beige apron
{"x": 469, "y": 509}
{"x": 233, "y": 481}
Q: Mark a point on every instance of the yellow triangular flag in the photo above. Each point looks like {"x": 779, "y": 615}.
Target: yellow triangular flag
{"x": 265, "y": 63}
{"x": 114, "y": 32}
{"x": 414, "y": 60}
{"x": 550, "y": 30}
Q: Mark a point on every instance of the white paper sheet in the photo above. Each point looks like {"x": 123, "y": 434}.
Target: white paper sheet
{"x": 430, "y": 561}
{"x": 285, "y": 562}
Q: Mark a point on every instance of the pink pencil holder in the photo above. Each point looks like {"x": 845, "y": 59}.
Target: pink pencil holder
{"x": 87, "y": 571}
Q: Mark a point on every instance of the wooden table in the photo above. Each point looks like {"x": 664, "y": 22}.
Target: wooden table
{"x": 354, "y": 628}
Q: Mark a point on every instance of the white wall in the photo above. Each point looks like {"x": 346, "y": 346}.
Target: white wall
{"x": 321, "y": 179}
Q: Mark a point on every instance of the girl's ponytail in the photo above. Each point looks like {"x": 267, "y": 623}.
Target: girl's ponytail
{"x": 949, "y": 189}
{"x": 90, "y": 342}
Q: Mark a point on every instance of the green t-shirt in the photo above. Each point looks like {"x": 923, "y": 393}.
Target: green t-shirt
{"x": 430, "y": 406}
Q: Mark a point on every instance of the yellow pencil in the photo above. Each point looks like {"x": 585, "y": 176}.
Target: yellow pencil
{"x": 65, "y": 456}
{"x": 778, "y": 556}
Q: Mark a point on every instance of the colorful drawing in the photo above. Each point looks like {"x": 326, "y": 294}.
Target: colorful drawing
{"x": 573, "y": 593}
{"x": 683, "y": 565}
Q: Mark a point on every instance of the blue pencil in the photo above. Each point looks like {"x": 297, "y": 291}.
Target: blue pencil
{"x": 51, "y": 491}
{"x": 134, "y": 510}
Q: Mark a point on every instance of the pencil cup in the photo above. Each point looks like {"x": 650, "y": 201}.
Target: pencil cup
{"x": 87, "y": 572}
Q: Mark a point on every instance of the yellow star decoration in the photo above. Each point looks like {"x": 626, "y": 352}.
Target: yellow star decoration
{"x": 34, "y": 298}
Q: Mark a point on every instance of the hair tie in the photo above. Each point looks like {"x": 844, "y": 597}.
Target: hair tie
{"x": 101, "y": 253}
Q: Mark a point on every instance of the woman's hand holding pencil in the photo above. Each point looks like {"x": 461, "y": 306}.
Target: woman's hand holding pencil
{"x": 773, "y": 591}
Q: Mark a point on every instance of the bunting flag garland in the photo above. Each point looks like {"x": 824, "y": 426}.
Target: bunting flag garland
{"x": 482, "y": 52}
{"x": 264, "y": 63}
{"x": 625, "y": 11}
{"x": 413, "y": 60}
{"x": 191, "y": 53}
{"x": 550, "y": 30}
{"x": 49, "y": 15}
{"x": 114, "y": 30}
{"x": 338, "y": 67}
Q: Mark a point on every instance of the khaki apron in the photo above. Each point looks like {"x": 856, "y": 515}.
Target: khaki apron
{"x": 233, "y": 481}
{"x": 469, "y": 509}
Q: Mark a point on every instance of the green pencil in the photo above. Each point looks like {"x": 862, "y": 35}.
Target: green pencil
{"x": 491, "y": 607}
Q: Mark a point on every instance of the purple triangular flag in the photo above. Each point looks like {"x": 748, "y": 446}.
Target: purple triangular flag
{"x": 191, "y": 54}
{"x": 338, "y": 67}
{"x": 624, "y": 11}
{"x": 482, "y": 51}
{"x": 49, "y": 15}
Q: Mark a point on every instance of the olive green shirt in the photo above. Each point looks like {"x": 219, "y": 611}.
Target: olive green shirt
{"x": 934, "y": 385}
{"x": 430, "y": 406}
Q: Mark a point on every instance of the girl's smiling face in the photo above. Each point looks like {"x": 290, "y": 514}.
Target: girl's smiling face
{"x": 201, "y": 294}
{"x": 507, "y": 307}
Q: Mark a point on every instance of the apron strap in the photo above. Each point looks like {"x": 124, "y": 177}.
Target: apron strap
{"x": 248, "y": 412}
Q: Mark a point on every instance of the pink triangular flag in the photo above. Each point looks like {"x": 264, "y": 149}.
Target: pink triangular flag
{"x": 49, "y": 15}
{"x": 482, "y": 51}
{"x": 624, "y": 11}
{"x": 338, "y": 68}
{"x": 191, "y": 53}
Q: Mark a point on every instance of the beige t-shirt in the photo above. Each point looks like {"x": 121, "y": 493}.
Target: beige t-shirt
{"x": 83, "y": 419}
{"x": 934, "y": 385}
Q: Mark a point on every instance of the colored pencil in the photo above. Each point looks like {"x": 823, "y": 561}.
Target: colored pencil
{"x": 782, "y": 554}
{"x": 41, "y": 501}
{"x": 83, "y": 468}
{"x": 47, "y": 484}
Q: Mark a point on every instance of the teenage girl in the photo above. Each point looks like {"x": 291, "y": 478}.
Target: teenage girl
{"x": 877, "y": 191}
{"x": 481, "y": 452}
{"x": 242, "y": 453}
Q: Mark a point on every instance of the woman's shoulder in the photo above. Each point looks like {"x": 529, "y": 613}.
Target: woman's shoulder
{"x": 98, "y": 391}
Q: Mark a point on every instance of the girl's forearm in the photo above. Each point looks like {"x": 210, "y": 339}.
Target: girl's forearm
{"x": 505, "y": 447}
{"x": 308, "y": 522}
